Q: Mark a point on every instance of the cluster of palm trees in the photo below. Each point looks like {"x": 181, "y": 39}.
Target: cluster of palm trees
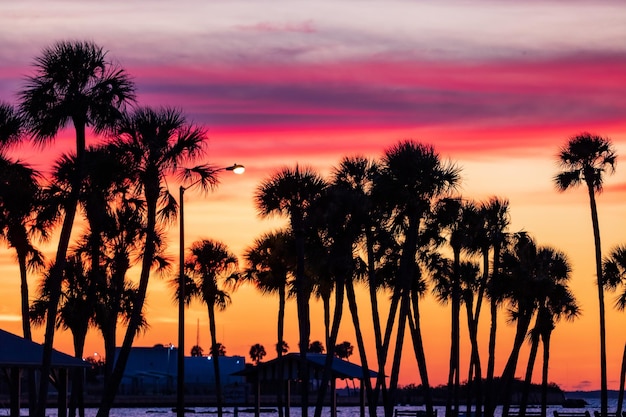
{"x": 119, "y": 186}
{"x": 396, "y": 225}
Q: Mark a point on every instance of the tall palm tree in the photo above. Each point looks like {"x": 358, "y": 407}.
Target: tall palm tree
{"x": 20, "y": 198}
{"x": 412, "y": 175}
{"x": 554, "y": 301}
{"x": 358, "y": 223}
{"x": 294, "y": 193}
{"x": 614, "y": 274}
{"x": 212, "y": 269}
{"x": 20, "y": 201}
{"x": 73, "y": 83}
{"x": 459, "y": 220}
{"x": 496, "y": 218}
{"x": 271, "y": 266}
{"x": 154, "y": 143}
{"x": 584, "y": 160}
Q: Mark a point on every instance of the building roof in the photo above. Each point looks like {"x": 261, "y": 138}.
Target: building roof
{"x": 16, "y": 351}
{"x": 340, "y": 368}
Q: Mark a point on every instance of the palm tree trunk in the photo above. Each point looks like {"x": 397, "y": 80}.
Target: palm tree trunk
{"x": 544, "y": 374}
{"x": 452, "y": 403}
{"x": 420, "y": 356}
{"x": 600, "y": 284}
{"x": 76, "y": 398}
{"x": 32, "y": 383}
{"x": 508, "y": 375}
{"x": 475, "y": 372}
{"x": 109, "y": 349}
{"x": 384, "y": 349}
{"x": 622, "y": 377}
{"x": 532, "y": 357}
{"x": 302, "y": 301}
{"x": 395, "y": 367}
{"x": 361, "y": 345}
{"x": 279, "y": 345}
{"x": 216, "y": 363}
{"x": 330, "y": 345}
{"x": 490, "y": 404}
{"x": 373, "y": 286}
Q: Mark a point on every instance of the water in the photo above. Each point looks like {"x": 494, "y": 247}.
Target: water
{"x": 343, "y": 411}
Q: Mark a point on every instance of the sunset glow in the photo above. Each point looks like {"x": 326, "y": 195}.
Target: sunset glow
{"x": 496, "y": 87}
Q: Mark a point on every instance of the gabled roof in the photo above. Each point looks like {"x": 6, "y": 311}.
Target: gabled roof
{"x": 16, "y": 351}
{"x": 340, "y": 368}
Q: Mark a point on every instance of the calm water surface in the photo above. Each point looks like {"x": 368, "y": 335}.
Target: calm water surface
{"x": 295, "y": 411}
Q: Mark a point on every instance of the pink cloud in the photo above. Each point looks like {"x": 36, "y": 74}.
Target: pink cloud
{"x": 298, "y": 27}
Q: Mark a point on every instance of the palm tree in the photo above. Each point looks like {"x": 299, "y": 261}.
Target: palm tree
{"x": 271, "y": 265}
{"x": 359, "y": 223}
{"x": 115, "y": 294}
{"x": 11, "y": 126}
{"x": 412, "y": 174}
{"x": 344, "y": 350}
{"x": 218, "y": 349}
{"x": 257, "y": 353}
{"x": 614, "y": 274}
{"x": 75, "y": 313}
{"x": 294, "y": 193}
{"x": 211, "y": 268}
{"x": 496, "y": 219}
{"x": 459, "y": 219}
{"x": 554, "y": 301}
{"x": 316, "y": 346}
{"x": 154, "y": 143}
{"x": 20, "y": 200}
{"x": 74, "y": 83}
{"x": 584, "y": 160}
{"x": 196, "y": 350}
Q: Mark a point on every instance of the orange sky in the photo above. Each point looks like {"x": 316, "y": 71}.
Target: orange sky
{"x": 495, "y": 88}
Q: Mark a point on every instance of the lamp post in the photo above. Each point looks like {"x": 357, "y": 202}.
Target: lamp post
{"x": 180, "y": 390}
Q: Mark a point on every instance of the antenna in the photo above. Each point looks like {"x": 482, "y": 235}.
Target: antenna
{"x": 198, "y": 332}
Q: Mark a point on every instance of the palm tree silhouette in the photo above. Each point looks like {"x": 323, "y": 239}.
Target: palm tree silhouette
{"x": 271, "y": 266}
{"x": 257, "y": 353}
{"x": 75, "y": 313}
{"x": 412, "y": 175}
{"x": 20, "y": 204}
{"x": 584, "y": 160}
{"x": 496, "y": 218}
{"x": 74, "y": 83}
{"x": 20, "y": 201}
{"x": 294, "y": 193}
{"x": 153, "y": 143}
{"x": 459, "y": 219}
{"x": 554, "y": 301}
{"x": 614, "y": 274}
{"x": 212, "y": 268}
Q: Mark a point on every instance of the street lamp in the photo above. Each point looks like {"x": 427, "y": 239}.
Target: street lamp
{"x": 180, "y": 400}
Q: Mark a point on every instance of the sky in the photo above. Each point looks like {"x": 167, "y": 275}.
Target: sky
{"x": 496, "y": 87}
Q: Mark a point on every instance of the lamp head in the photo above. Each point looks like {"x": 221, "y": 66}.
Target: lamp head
{"x": 236, "y": 168}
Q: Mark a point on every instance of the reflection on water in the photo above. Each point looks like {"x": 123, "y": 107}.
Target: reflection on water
{"x": 593, "y": 404}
